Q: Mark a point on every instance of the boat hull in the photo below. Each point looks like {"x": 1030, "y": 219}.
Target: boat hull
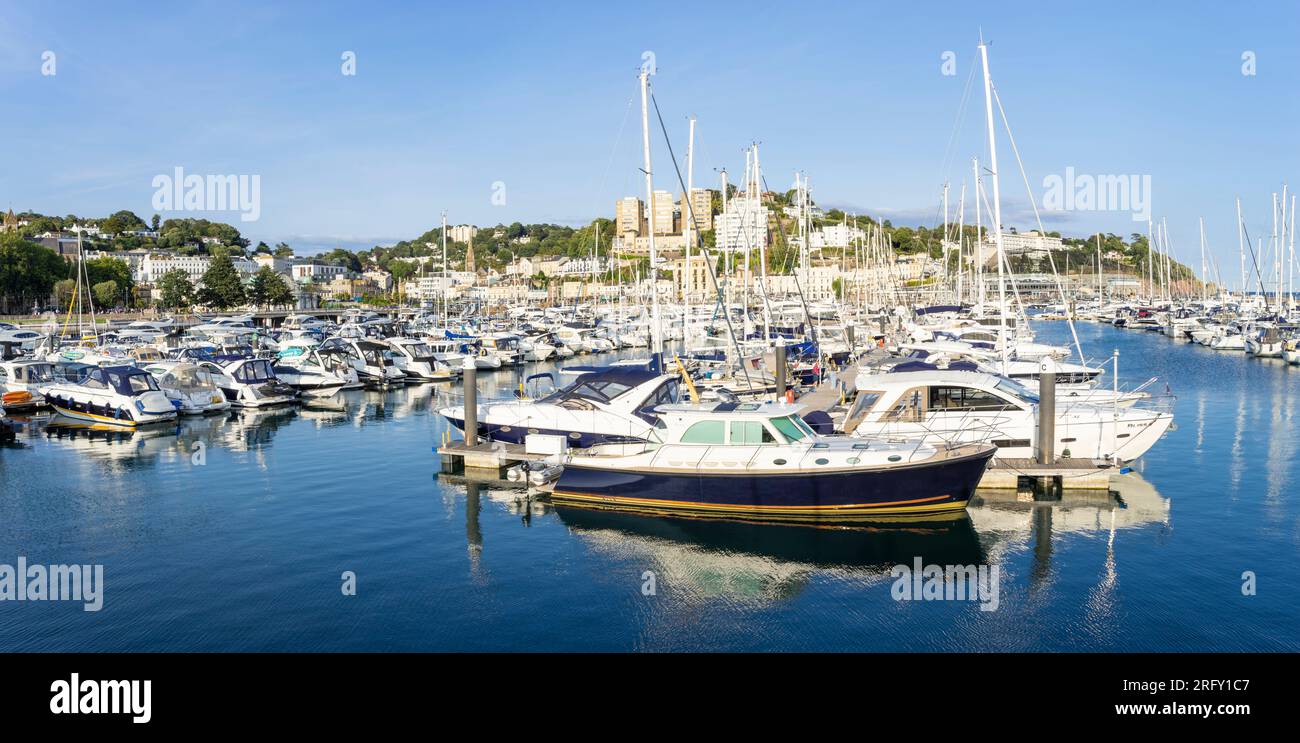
{"x": 833, "y": 497}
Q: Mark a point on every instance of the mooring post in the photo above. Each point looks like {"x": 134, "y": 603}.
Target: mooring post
{"x": 1047, "y": 411}
{"x": 780, "y": 369}
{"x": 470, "y": 383}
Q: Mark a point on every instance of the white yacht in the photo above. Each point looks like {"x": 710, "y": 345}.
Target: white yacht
{"x": 419, "y": 362}
{"x": 23, "y": 383}
{"x": 250, "y": 383}
{"x": 371, "y": 359}
{"x": 116, "y": 395}
{"x": 505, "y": 346}
{"x": 963, "y": 406}
{"x": 598, "y": 407}
{"x": 190, "y": 387}
{"x": 328, "y": 362}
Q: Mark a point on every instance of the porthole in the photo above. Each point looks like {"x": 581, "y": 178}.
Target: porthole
{"x": 574, "y": 435}
{"x": 778, "y": 462}
{"x": 895, "y": 458}
{"x": 852, "y": 460}
{"x": 823, "y": 460}
{"x": 505, "y": 429}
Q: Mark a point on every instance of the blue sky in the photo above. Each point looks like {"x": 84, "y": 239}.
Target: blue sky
{"x": 447, "y": 100}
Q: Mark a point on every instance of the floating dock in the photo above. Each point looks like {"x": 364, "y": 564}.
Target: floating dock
{"x": 1064, "y": 474}
{"x": 485, "y": 458}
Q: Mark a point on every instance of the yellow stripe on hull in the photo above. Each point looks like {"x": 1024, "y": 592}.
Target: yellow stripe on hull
{"x": 779, "y": 513}
{"x": 127, "y": 423}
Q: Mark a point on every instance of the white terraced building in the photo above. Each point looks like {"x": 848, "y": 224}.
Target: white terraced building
{"x": 153, "y": 267}
{"x": 741, "y": 226}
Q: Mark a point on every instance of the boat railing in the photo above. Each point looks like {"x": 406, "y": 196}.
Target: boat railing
{"x": 456, "y": 398}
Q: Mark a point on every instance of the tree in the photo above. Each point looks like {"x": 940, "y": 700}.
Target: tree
{"x": 63, "y": 291}
{"x": 402, "y": 270}
{"x": 268, "y": 288}
{"x": 282, "y": 250}
{"x": 153, "y": 223}
{"x": 106, "y": 294}
{"x": 177, "y": 290}
{"x": 27, "y": 272}
{"x": 278, "y": 291}
{"x": 122, "y": 221}
{"x": 99, "y": 270}
{"x": 221, "y": 286}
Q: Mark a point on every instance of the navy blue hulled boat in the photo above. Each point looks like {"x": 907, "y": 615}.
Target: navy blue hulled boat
{"x": 761, "y": 461}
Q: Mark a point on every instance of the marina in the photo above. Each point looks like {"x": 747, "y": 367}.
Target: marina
{"x": 241, "y": 548}
{"x": 724, "y": 416}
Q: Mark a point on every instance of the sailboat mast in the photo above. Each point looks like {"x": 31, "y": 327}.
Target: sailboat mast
{"x": 979, "y": 240}
{"x": 656, "y": 330}
{"x": 688, "y": 214}
{"x": 445, "y": 288}
{"x": 961, "y": 228}
{"x": 1241, "y": 250}
{"x": 997, "y": 199}
{"x": 1100, "y": 295}
{"x": 762, "y": 246}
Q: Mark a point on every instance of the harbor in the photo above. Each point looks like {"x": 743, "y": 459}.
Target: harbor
{"x": 700, "y": 411}
{"x": 241, "y": 548}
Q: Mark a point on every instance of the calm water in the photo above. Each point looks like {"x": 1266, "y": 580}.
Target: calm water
{"x": 245, "y": 551}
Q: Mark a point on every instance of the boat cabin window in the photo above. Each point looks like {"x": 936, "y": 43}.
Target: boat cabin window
{"x": 601, "y": 390}
{"x": 862, "y": 404}
{"x": 95, "y": 379}
{"x": 373, "y": 356}
{"x": 133, "y": 384}
{"x": 751, "y": 432}
{"x": 908, "y": 407}
{"x": 705, "y": 432}
{"x": 1017, "y": 390}
{"x": 965, "y": 398}
{"x": 790, "y": 427}
{"x": 667, "y": 394}
{"x": 254, "y": 372}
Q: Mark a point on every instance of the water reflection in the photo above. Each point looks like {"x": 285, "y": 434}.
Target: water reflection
{"x": 1013, "y": 522}
{"x": 238, "y": 429}
{"x": 772, "y": 562}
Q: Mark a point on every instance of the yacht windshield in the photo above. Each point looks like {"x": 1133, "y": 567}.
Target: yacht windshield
{"x": 133, "y": 384}
{"x": 601, "y": 390}
{"x": 1017, "y": 390}
{"x": 255, "y": 372}
{"x": 791, "y": 429}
